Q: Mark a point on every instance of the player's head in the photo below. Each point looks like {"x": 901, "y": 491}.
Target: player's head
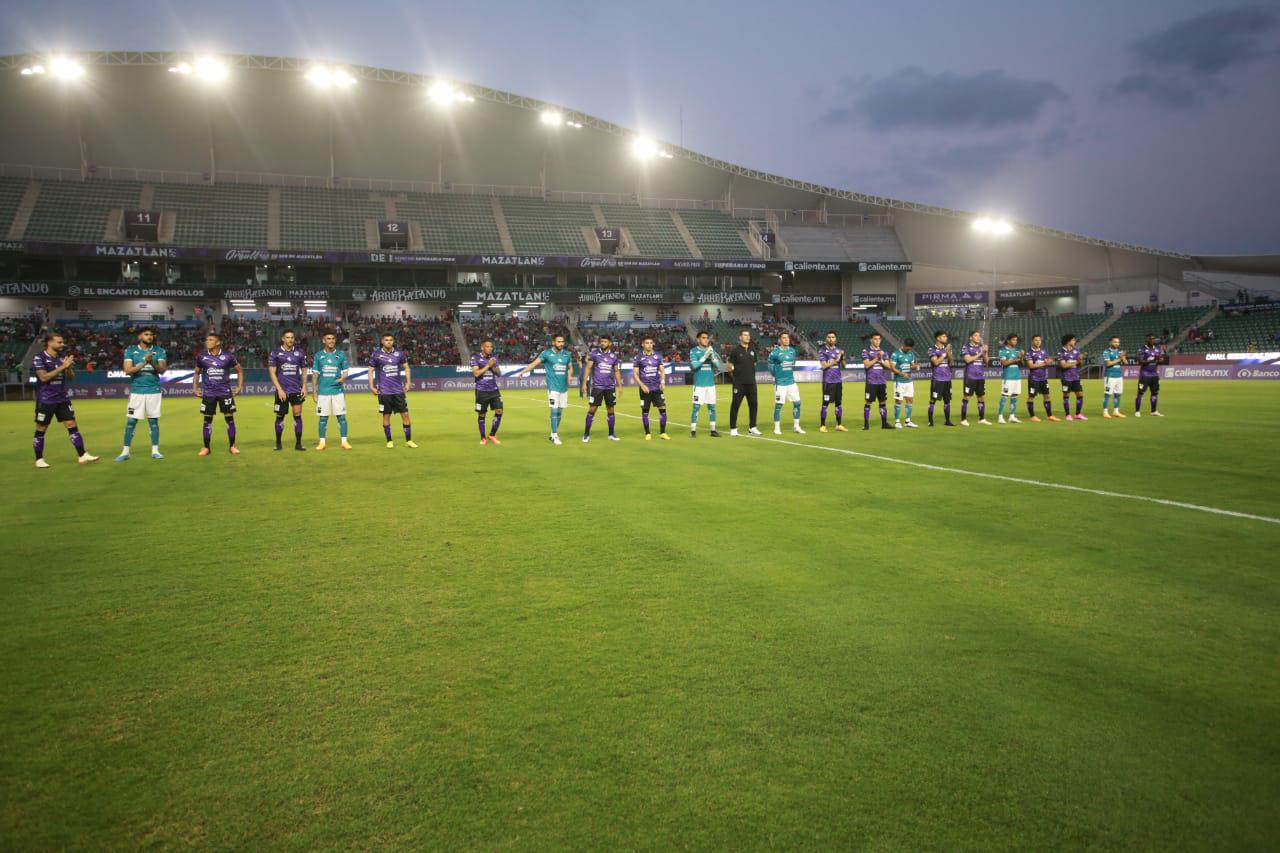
{"x": 486, "y": 346}
{"x": 1115, "y": 342}
{"x": 1037, "y": 341}
{"x": 646, "y": 344}
{"x": 212, "y": 341}
{"x": 703, "y": 338}
{"x": 832, "y": 337}
{"x": 975, "y": 337}
{"x": 874, "y": 340}
{"x": 744, "y": 336}
{"x": 907, "y": 344}
{"x": 287, "y": 337}
{"x": 330, "y": 341}
{"x": 53, "y": 342}
{"x": 557, "y": 342}
{"x": 605, "y": 343}
{"x": 388, "y": 342}
{"x": 147, "y": 335}
{"x": 1011, "y": 340}
{"x": 784, "y": 340}
{"x": 1151, "y": 339}
{"x": 940, "y": 338}
{"x": 1068, "y": 340}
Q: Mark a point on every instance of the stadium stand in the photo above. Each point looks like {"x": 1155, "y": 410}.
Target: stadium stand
{"x": 221, "y": 215}
{"x": 514, "y": 339}
{"x": 314, "y": 218}
{"x": 717, "y": 234}
{"x": 79, "y": 211}
{"x": 1051, "y": 328}
{"x": 16, "y": 334}
{"x": 427, "y": 340}
{"x": 1133, "y": 327}
{"x": 11, "y": 190}
{"x": 851, "y": 336}
{"x": 547, "y": 227}
{"x": 452, "y": 223}
{"x": 823, "y": 243}
{"x": 921, "y": 331}
{"x": 1232, "y": 331}
{"x": 102, "y": 348}
{"x": 653, "y": 231}
{"x": 671, "y": 341}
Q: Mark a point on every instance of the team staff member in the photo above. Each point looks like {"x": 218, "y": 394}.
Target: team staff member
{"x": 741, "y": 364}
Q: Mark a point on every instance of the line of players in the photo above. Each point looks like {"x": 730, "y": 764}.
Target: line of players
{"x": 390, "y": 375}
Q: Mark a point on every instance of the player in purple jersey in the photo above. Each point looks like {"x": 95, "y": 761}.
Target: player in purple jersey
{"x": 485, "y": 370}
{"x": 1038, "y": 380}
{"x": 1150, "y": 357}
{"x": 974, "y": 354}
{"x": 389, "y": 378}
{"x": 1069, "y": 361}
{"x": 831, "y": 360}
{"x": 651, "y": 376}
{"x": 606, "y": 380}
{"x": 287, "y": 367}
{"x": 940, "y": 356}
{"x": 53, "y": 371}
{"x": 876, "y": 363}
{"x": 214, "y": 366}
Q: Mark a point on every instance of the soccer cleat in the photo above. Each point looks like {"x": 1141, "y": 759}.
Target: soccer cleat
{"x": 985, "y": 422}
{"x": 585, "y": 439}
{"x": 157, "y": 455}
{"x": 1035, "y": 419}
{"x": 948, "y": 423}
{"x": 964, "y": 422}
{"x": 86, "y": 458}
{"x": 299, "y": 447}
{"x": 648, "y": 436}
{"x": 911, "y": 425}
{"x": 798, "y": 430}
{"x": 412, "y": 444}
{"x": 841, "y": 428}
{"x": 40, "y": 463}
{"x": 1081, "y": 418}
{"x": 1071, "y": 417}
{"x": 693, "y": 433}
{"x": 555, "y": 439}
{"x": 1137, "y": 414}
{"x": 391, "y": 444}
{"x": 866, "y": 427}
{"x": 204, "y": 451}
{"x": 279, "y": 448}
{"x": 123, "y": 457}
{"x": 999, "y": 419}
{"x": 233, "y": 450}
{"x": 615, "y": 438}
{"x": 822, "y": 428}
{"x": 777, "y": 430}
{"x": 1013, "y": 419}
{"x": 733, "y": 433}
{"x": 346, "y": 445}
{"x": 664, "y": 437}
{"x": 493, "y": 439}
{"x": 1054, "y": 419}
{"x": 753, "y": 431}
{"x": 885, "y": 425}
{"x": 1118, "y": 414}
{"x": 483, "y": 441}
{"x": 320, "y": 444}
{"x": 1106, "y": 416}
{"x": 1157, "y": 414}
{"x": 715, "y": 434}
{"x": 897, "y": 424}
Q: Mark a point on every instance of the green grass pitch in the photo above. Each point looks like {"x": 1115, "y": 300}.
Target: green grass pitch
{"x": 720, "y": 643}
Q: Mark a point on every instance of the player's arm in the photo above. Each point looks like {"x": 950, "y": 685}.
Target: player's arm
{"x": 161, "y": 364}
{"x": 305, "y": 368}
{"x": 195, "y": 381}
{"x": 531, "y": 366}
{"x": 373, "y": 380}
{"x": 239, "y": 379}
{"x": 478, "y": 370}
{"x": 271, "y": 372}
{"x": 586, "y": 371}
{"x": 617, "y": 378}
{"x": 830, "y": 363}
{"x": 935, "y": 360}
{"x": 130, "y": 368}
{"x": 63, "y": 367}
{"x": 408, "y": 377}
{"x": 662, "y": 376}
{"x": 868, "y": 362}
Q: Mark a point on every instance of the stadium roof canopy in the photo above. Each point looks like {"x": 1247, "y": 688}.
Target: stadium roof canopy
{"x": 128, "y": 116}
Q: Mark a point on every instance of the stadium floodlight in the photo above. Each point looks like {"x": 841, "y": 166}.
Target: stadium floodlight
{"x": 279, "y": 304}
{"x": 644, "y": 148}
{"x": 577, "y": 125}
{"x": 992, "y": 226}
{"x": 65, "y": 69}
{"x": 445, "y": 93}
{"x": 327, "y": 78}
{"x": 206, "y": 68}
{"x": 552, "y": 117}
{"x": 34, "y": 69}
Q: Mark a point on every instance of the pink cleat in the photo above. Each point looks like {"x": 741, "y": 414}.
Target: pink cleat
{"x": 235, "y": 451}
{"x": 1071, "y": 417}
{"x": 204, "y": 451}
{"x": 1081, "y": 418}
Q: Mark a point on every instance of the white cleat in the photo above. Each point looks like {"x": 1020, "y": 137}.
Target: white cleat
{"x": 1157, "y": 415}
{"x": 799, "y": 429}
{"x": 777, "y": 430}
{"x": 733, "y": 432}
{"x": 585, "y": 439}
{"x": 911, "y": 425}
{"x": 985, "y": 422}
{"x": 964, "y": 423}
{"x": 1137, "y": 414}
{"x": 1013, "y": 419}
{"x": 753, "y": 431}
{"x": 555, "y": 439}
{"x": 1000, "y": 419}
{"x": 897, "y": 424}
{"x": 86, "y": 458}
{"x": 614, "y": 438}
{"x": 40, "y": 463}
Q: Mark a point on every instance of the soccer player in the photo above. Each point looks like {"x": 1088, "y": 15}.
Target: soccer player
{"x": 389, "y": 378}
{"x": 1113, "y": 359}
{"x": 876, "y": 363}
{"x": 329, "y": 371}
{"x": 705, "y": 362}
{"x": 143, "y": 364}
{"x": 741, "y": 365}
{"x": 940, "y": 384}
{"x": 974, "y": 354}
{"x": 603, "y": 372}
{"x": 902, "y": 362}
{"x": 1069, "y": 367}
{"x": 558, "y": 362}
{"x": 782, "y": 364}
{"x": 485, "y": 370}
{"x": 652, "y": 379}
{"x": 831, "y": 360}
{"x": 1037, "y": 360}
{"x": 53, "y": 371}
{"x": 1010, "y": 358}
{"x": 1150, "y": 358}
{"x": 287, "y": 367}
{"x": 214, "y": 366}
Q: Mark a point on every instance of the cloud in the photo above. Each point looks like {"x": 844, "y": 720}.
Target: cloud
{"x": 1211, "y": 42}
{"x": 1181, "y": 65}
{"x": 916, "y": 99}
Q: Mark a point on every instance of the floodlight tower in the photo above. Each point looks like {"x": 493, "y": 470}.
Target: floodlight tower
{"x": 997, "y": 229}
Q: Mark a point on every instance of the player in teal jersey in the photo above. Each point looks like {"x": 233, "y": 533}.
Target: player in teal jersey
{"x": 705, "y": 363}
{"x": 329, "y": 370}
{"x": 902, "y": 362}
{"x": 558, "y": 362}
{"x": 143, "y": 364}
{"x": 782, "y": 364}
{"x": 1113, "y": 361}
{"x": 1010, "y": 358}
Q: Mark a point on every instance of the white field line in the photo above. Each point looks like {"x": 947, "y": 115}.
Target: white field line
{"x": 984, "y": 475}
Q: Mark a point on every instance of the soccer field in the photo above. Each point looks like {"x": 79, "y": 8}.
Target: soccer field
{"x": 710, "y": 643}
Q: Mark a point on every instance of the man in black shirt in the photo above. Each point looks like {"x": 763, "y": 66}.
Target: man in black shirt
{"x": 741, "y": 364}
